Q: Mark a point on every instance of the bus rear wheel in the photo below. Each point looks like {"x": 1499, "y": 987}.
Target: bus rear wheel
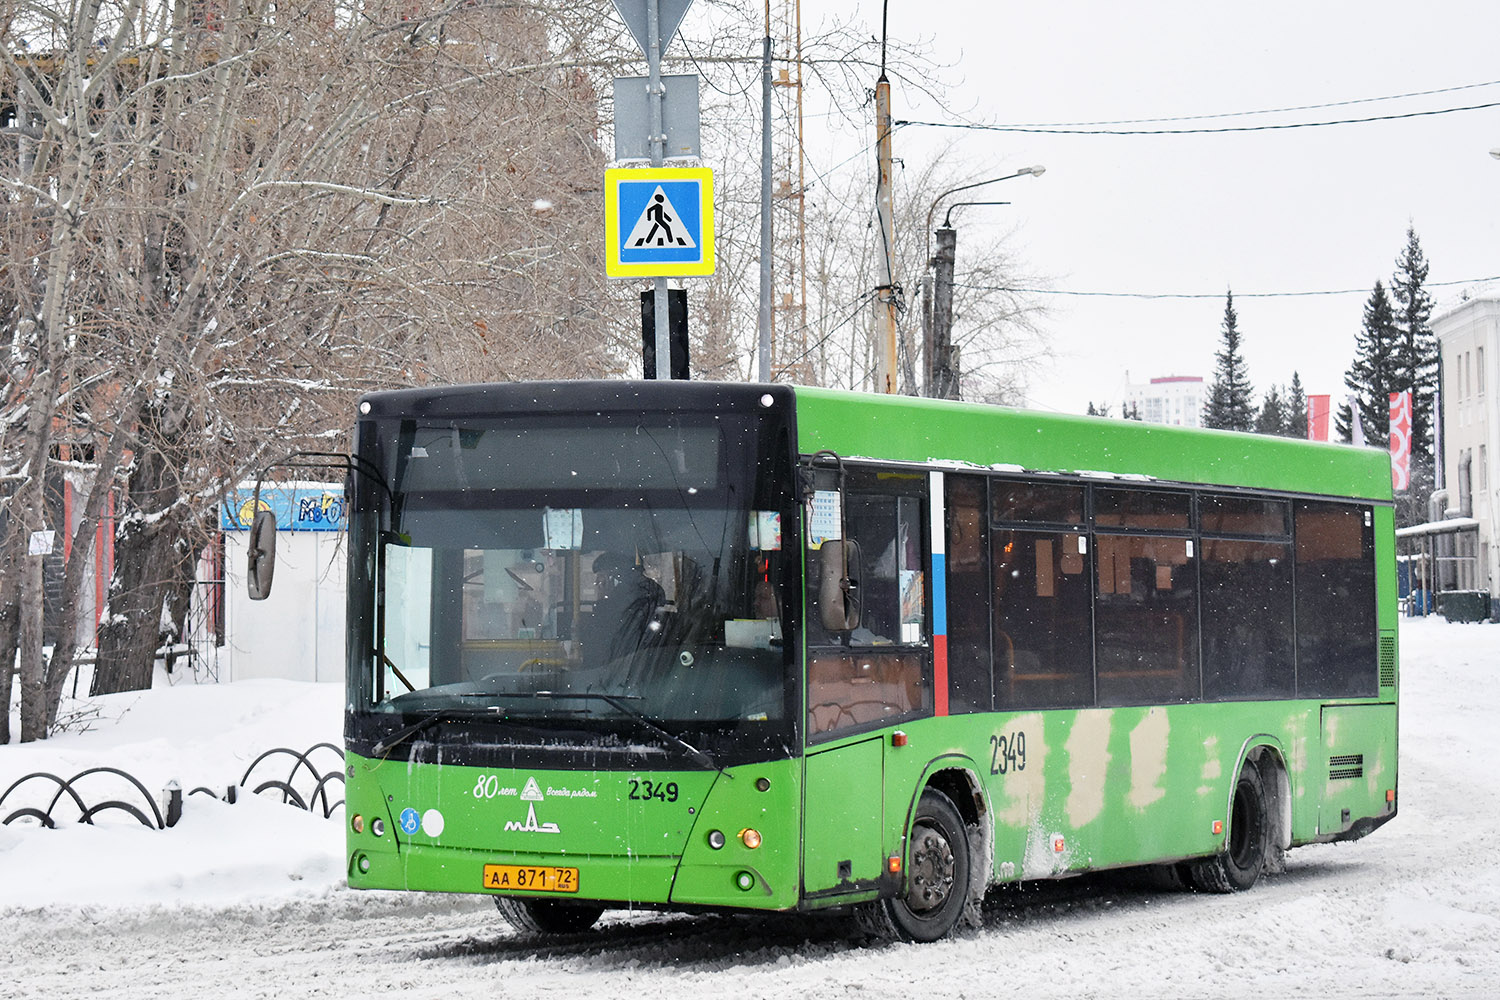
{"x": 547, "y": 916}
{"x": 937, "y": 877}
{"x": 1239, "y": 865}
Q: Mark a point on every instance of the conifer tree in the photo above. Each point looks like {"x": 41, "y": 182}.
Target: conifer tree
{"x": 1415, "y": 355}
{"x": 1229, "y": 405}
{"x": 1296, "y": 410}
{"x": 1373, "y": 371}
{"x": 1272, "y": 416}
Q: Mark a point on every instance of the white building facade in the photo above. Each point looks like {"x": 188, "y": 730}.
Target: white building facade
{"x": 1469, "y": 343}
{"x": 1176, "y": 400}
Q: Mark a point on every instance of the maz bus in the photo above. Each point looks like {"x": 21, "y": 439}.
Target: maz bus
{"x": 755, "y": 647}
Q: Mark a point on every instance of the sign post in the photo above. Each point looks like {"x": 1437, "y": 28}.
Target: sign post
{"x": 660, "y": 232}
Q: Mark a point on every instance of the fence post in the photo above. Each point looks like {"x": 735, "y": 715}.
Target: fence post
{"x": 172, "y": 801}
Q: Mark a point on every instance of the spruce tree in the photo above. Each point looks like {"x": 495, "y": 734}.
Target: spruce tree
{"x": 1373, "y": 371}
{"x": 1415, "y": 360}
{"x": 1229, "y": 405}
{"x": 1272, "y": 416}
{"x": 1296, "y": 410}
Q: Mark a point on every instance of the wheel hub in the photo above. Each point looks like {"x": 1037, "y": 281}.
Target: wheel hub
{"x": 932, "y": 869}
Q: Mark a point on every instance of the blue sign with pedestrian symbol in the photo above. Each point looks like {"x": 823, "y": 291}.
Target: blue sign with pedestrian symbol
{"x": 659, "y": 222}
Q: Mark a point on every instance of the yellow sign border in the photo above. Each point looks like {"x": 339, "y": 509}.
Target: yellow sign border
{"x": 613, "y": 177}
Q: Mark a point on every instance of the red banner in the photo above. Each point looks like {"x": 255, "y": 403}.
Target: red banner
{"x": 1400, "y": 440}
{"x": 1317, "y": 418}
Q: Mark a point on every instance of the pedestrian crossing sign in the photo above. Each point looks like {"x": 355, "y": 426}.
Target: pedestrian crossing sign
{"x": 658, "y": 222}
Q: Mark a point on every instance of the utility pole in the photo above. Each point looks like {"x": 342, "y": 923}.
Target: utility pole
{"x": 927, "y": 334}
{"x": 885, "y": 302}
{"x": 944, "y": 384}
{"x": 763, "y": 353}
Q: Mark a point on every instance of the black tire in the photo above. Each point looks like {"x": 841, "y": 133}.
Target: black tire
{"x": 1244, "y": 855}
{"x": 547, "y": 916}
{"x": 937, "y": 876}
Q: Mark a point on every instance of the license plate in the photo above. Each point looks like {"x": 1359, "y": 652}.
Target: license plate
{"x": 531, "y": 878}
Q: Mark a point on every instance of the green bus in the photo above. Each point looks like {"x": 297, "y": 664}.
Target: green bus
{"x": 704, "y": 646}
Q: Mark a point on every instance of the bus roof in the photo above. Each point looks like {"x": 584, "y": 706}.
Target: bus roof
{"x": 909, "y": 429}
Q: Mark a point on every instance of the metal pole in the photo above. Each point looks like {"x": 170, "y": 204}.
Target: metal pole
{"x": 943, "y": 380}
{"x": 764, "y": 352}
{"x": 927, "y": 334}
{"x": 658, "y": 141}
{"x": 885, "y": 305}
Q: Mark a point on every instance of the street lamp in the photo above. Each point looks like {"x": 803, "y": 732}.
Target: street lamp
{"x": 1035, "y": 171}
{"x": 942, "y": 376}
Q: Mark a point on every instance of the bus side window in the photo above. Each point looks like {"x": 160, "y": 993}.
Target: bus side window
{"x": 1039, "y": 559}
{"x": 970, "y": 676}
{"x": 1145, "y": 597}
{"x": 1043, "y": 636}
{"x": 1335, "y": 599}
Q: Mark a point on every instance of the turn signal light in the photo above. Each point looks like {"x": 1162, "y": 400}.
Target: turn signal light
{"x": 1218, "y": 827}
{"x": 358, "y": 823}
{"x": 1390, "y": 795}
{"x": 750, "y": 838}
{"x": 893, "y": 864}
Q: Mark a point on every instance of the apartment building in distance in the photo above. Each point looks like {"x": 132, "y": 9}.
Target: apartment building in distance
{"x": 1173, "y": 399}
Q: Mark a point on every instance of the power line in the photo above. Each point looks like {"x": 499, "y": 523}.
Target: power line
{"x": 1196, "y": 131}
{"x": 1076, "y": 293}
{"x": 1264, "y": 111}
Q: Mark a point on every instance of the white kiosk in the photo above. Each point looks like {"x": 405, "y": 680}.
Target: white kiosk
{"x": 296, "y": 633}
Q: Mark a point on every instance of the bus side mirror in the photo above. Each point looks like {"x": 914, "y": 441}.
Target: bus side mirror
{"x": 838, "y": 589}
{"x": 262, "y": 564}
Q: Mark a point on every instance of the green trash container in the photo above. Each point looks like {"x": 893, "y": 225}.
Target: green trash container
{"x": 1464, "y": 605}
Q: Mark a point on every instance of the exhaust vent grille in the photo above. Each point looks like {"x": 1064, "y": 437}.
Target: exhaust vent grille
{"x": 1346, "y": 766}
{"x": 1387, "y": 660}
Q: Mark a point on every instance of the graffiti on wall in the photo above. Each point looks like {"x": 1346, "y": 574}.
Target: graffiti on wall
{"x": 307, "y": 507}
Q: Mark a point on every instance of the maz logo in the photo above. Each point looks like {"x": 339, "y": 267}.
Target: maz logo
{"x": 531, "y": 825}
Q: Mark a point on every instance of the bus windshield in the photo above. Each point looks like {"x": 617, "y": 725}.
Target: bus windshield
{"x": 594, "y": 575}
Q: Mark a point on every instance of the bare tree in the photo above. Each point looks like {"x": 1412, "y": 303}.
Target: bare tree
{"x": 259, "y": 211}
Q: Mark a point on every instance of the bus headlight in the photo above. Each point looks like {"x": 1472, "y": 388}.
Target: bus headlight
{"x": 377, "y": 826}
{"x": 716, "y": 839}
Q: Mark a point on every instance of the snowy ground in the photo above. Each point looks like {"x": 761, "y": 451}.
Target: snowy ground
{"x": 248, "y": 901}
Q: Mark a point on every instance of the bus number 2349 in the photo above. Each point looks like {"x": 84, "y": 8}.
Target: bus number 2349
{"x": 1008, "y": 752}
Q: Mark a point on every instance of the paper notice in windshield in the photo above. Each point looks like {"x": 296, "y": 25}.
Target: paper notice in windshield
{"x": 823, "y": 518}
{"x": 563, "y": 528}
{"x": 765, "y": 530}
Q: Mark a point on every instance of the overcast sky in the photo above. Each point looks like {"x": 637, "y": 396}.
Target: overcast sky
{"x": 1288, "y": 210}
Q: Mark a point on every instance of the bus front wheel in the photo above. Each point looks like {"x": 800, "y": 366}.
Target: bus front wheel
{"x": 1239, "y": 865}
{"x": 937, "y": 875}
{"x": 547, "y": 916}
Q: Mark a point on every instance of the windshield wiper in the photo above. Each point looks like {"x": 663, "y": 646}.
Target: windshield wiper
{"x": 400, "y": 736}
{"x": 620, "y": 703}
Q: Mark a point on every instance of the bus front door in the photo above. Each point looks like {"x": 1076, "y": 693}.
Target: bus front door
{"x": 843, "y": 797}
